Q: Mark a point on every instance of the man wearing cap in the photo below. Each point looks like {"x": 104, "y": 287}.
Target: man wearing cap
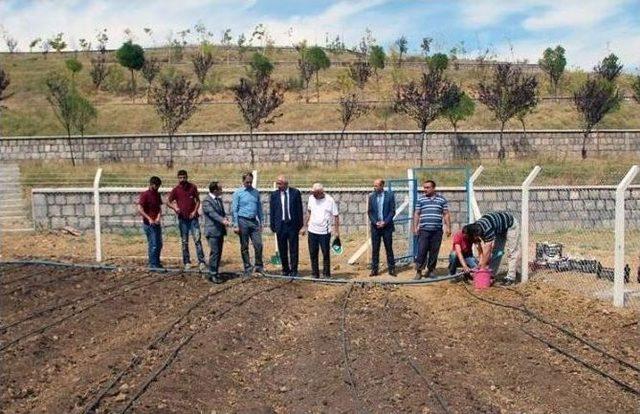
{"x": 322, "y": 210}
{"x": 285, "y": 220}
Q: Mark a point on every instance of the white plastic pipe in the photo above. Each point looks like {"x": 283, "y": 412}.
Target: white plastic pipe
{"x": 475, "y": 209}
{"x": 618, "y": 271}
{"x": 96, "y": 214}
{"x": 524, "y": 224}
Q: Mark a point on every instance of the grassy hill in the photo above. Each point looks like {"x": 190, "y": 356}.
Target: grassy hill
{"x": 28, "y": 112}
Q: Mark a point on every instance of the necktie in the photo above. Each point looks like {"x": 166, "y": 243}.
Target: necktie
{"x": 286, "y": 207}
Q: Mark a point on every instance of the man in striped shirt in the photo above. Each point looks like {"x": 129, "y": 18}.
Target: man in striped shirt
{"x": 498, "y": 231}
{"x": 431, "y": 210}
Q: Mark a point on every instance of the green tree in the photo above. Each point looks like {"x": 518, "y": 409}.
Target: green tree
{"x": 403, "y": 47}
{"x": 4, "y": 84}
{"x": 257, "y": 100}
{"x": 34, "y": 43}
{"x": 458, "y": 106}
{"x": 57, "y": 43}
{"x": 360, "y": 71}
{"x": 424, "y": 101}
{"x": 260, "y": 66}
{"x": 131, "y": 56}
{"x": 318, "y": 61}
{"x": 99, "y": 69}
{"x": 242, "y": 46}
{"x": 74, "y": 67}
{"x": 175, "y": 100}
{"x": 553, "y": 63}
{"x": 85, "y": 114}
{"x": 377, "y": 59}
{"x": 594, "y": 99}
{"x": 609, "y": 68}
{"x": 438, "y": 62}
{"x": 60, "y": 96}
{"x": 507, "y": 94}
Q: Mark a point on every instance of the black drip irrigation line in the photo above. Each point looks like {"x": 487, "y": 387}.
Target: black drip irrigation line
{"x": 31, "y": 273}
{"x": 533, "y": 315}
{"x": 71, "y": 315}
{"x": 70, "y": 302}
{"x": 61, "y": 278}
{"x": 154, "y": 376}
{"x": 14, "y": 269}
{"x": 593, "y": 368}
{"x": 345, "y": 352}
{"x": 89, "y": 408}
{"x": 406, "y": 358}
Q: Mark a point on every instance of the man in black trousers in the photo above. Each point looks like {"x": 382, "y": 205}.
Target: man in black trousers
{"x": 382, "y": 208}
{"x": 285, "y": 216}
{"x": 215, "y": 228}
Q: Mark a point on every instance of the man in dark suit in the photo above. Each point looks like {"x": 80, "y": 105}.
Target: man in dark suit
{"x": 382, "y": 208}
{"x": 285, "y": 217}
{"x": 215, "y": 228}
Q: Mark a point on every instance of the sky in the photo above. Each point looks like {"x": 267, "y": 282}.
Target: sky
{"x": 511, "y": 30}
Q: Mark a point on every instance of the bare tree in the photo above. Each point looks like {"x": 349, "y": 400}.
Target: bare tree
{"x": 509, "y": 92}
{"x": 99, "y": 69}
{"x": 306, "y": 73}
{"x": 350, "y": 108}
{"x": 424, "y": 101}
{"x": 257, "y": 100}
{"x": 636, "y": 88}
{"x": 4, "y": 84}
{"x": 85, "y": 114}
{"x": 175, "y": 100}
{"x": 593, "y": 100}
{"x": 150, "y": 69}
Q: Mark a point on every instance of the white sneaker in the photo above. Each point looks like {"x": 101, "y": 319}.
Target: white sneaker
{"x": 187, "y": 266}
{"x": 202, "y": 267}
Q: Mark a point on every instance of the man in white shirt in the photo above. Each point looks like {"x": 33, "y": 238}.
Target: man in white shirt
{"x": 322, "y": 210}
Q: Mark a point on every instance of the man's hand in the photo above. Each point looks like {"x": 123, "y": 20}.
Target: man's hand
{"x": 192, "y": 214}
{"x": 447, "y": 231}
{"x": 226, "y": 222}
{"x": 303, "y": 231}
{"x": 380, "y": 224}
{"x": 415, "y": 231}
{"x": 236, "y": 230}
{"x": 466, "y": 268}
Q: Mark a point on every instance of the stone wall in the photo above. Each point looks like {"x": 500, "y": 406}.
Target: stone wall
{"x": 551, "y": 208}
{"x": 319, "y": 147}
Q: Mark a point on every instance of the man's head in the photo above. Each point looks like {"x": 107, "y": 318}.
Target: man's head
{"x": 282, "y": 183}
{"x": 247, "y": 179}
{"x": 317, "y": 190}
{"x": 215, "y": 188}
{"x": 429, "y": 187}
{"x": 378, "y": 185}
{"x": 473, "y": 231}
{"x": 183, "y": 177}
{"x": 155, "y": 183}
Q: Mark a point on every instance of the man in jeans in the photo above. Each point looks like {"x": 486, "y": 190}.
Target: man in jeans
{"x": 322, "y": 209}
{"x": 149, "y": 207}
{"x": 431, "y": 209}
{"x": 498, "y": 231}
{"x": 246, "y": 211}
{"x": 185, "y": 201}
{"x": 462, "y": 253}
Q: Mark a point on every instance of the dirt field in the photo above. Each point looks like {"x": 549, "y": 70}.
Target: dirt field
{"x": 87, "y": 340}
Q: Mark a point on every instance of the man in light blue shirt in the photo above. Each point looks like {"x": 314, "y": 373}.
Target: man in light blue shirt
{"x": 246, "y": 212}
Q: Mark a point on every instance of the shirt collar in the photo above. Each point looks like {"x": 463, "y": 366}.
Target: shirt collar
{"x": 213, "y": 196}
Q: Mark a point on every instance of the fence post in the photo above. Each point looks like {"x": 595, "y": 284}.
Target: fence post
{"x": 524, "y": 224}
{"x": 618, "y": 272}
{"x": 96, "y": 214}
{"x": 474, "y": 213}
{"x": 254, "y": 183}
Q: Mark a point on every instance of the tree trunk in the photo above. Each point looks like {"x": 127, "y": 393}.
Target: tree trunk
{"x": 584, "y": 144}
{"x": 70, "y": 141}
{"x": 338, "y": 146}
{"x": 251, "y": 147}
{"x": 501, "y": 151}
{"x": 82, "y": 145}
{"x": 170, "y": 164}
{"x": 317, "y": 86}
{"x": 422, "y": 143}
{"x": 133, "y": 86}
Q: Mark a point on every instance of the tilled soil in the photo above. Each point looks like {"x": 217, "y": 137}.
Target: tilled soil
{"x": 86, "y": 340}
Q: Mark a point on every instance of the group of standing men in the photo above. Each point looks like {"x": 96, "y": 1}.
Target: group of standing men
{"x": 492, "y": 233}
{"x": 247, "y": 221}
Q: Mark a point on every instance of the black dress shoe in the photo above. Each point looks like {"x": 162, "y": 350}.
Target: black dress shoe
{"x": 373, "y": 273}
{"x": 392, "y": 272}
{"x": 294, "y": 274}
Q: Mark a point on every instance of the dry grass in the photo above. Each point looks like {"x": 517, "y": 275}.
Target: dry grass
{"x": 29, "y": 114}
